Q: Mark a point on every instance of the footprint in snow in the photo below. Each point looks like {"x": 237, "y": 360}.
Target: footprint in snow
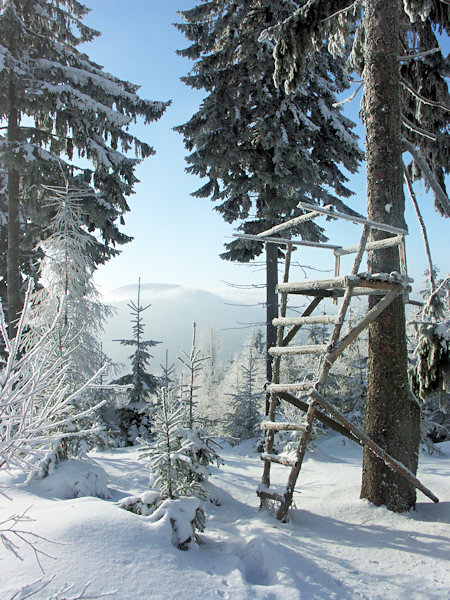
{"x": 256, "y": 559}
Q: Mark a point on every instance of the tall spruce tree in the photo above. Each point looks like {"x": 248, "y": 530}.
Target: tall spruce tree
{"x": 260, "y": 149}
{"x": 396, "y": 50}
{"x": 67, "y": 268}
{"x": 56, "y": 103}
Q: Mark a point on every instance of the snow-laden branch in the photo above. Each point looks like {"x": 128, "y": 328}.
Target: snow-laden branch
{"x": 441, "y": 197}
{"x": 420, "y": 54}
{"x": 422, "y": 99}
{"x": 35, "y": 401}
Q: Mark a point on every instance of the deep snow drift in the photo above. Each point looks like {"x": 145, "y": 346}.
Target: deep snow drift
{"x": 335, "y": 545}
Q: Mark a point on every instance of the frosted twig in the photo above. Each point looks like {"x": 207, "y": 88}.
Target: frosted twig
{"x": 416, "y": 94}
{"x": 10, "y": 536}
{"x": 31, "y": 589}
{"x": 427, "y": 134}
{"x": 244, "y": 286}
{"x": 349, "y": 98}
{"x": 441, "y": 196}
{"x": 420, "y": 54}
{"x": 422, "y": 226}
{"x": 339, "y": 12}
{"x": 429, "y": 302}
{"x": 38, "y": 586}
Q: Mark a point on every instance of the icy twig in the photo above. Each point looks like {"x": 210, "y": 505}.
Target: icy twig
{"x": 349, "y": 98}
{"x": 11, "y": 536}
{"x": 420, "y": 54}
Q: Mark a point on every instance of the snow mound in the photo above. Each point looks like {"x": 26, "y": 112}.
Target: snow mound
{"x": 178, "y": 518}
{"x": 144, "y": 504}
{"x": 185, "y": 515}
{"x": 74, "y": 478}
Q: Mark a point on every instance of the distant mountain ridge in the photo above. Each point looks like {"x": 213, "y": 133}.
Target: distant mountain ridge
{"x": 169, "y": 320}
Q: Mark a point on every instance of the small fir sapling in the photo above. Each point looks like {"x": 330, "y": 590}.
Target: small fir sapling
{"x": 174, "y": 474}
{"x": 246, "y": 379}
{"x": 202, "y": 447}
{"x": 178, "y": 457}
{"x": 134, "y": 417}
{"x": 193, "y": 364}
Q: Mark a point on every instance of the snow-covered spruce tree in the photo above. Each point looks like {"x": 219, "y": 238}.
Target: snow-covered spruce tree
{"x": 67, "y": 270}
{"x": 135, "y": 416}
{"x": 384, "y": 34}
{"x": 260, "y": 149}
{"x": 243, "y": 391}
{"x": 56, "y": 103}
{"x": 430, "y": 369}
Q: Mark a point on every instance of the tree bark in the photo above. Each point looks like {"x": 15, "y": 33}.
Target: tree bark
{"x": 271, "y": 308}
{"x": 13, "y": 249}
{"x": 392, "y": 417}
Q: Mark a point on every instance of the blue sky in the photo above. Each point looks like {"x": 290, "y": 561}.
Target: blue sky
{"x": 178, "y": 238}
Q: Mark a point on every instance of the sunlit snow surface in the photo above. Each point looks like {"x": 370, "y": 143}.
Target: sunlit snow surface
{"x": 335, "y": 546}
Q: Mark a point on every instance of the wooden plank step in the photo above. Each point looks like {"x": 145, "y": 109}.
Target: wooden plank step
{"x": 268, "y": 495}
{"x": 280, "y": 426}
{"x": 286, "y": 350}
{"x": 317, "y": 320}
{"x": 337, "y": 283}
{"x": 289, "y": 387}
{"x": 313, "y": 284}
{"x": 287, "y": 462}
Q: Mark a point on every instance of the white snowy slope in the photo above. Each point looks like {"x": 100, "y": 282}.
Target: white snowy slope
{"x": 335, "y": 546}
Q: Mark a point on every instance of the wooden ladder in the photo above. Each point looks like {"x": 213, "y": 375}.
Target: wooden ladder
{"x": 345, "y": 287}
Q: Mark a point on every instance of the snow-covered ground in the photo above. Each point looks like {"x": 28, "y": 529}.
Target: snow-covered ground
{"x": 335, "y": 546}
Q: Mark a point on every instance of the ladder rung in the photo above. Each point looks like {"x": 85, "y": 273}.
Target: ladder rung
{"x": 289, "y": 387}
{"x": 280, "y": 426}
{"x": 313, "y": 284}
{"x": 312, "y": 349}
{"x": 270, "y": 495}
{"x": 320, "y": 319}
{"x": 338, "y": 284}
{"x": 287, "y": 462}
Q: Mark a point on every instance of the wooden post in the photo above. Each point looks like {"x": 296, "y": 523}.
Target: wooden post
{"x": 275, "y": 378}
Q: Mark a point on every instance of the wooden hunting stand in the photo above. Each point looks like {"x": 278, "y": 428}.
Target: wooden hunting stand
{"x": 340, "y": 288}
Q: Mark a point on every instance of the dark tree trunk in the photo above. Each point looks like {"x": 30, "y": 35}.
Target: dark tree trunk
{"x": 392, "y": 418}
{"x": 271, "y": 307}
{"x": 13, "y": 251}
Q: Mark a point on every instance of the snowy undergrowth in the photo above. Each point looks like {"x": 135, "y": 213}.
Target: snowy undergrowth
{"x": 73, "y": 478}
{"x": 335, "y": 546}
